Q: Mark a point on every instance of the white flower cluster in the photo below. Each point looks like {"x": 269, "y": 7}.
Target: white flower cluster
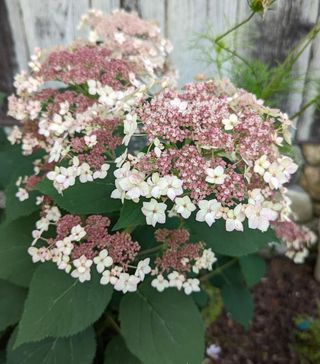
{"x": 276, "y": 174}
{"x": 63, "y": 177}
{"x": 80, "y": 268}
{"x": 132, "y": 184}
{"x": 179, "y": 281}
{"x": 59, "y": 251}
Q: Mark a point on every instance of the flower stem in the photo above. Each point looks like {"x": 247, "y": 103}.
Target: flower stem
{"x": 151, "y": 250}
{"x": 113, "y": 323}
{"x": 219, "y": 270}
{"x": 304, "y": 107}
{"x": 220, "y": 37}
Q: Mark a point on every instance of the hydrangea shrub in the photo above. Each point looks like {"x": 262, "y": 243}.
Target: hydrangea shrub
{"x": 100, "y": 237}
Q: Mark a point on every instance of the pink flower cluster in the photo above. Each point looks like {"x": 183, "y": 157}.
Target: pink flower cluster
{"x": 297, "y": 239}
{"x": 214, "y": 147}
{"x": 131, "y": 37}
{"x": 74, "y": 102}
{"x": 179, "y": 261}
{"x": 80, "y": 64}
{"x": 81, "y": 244}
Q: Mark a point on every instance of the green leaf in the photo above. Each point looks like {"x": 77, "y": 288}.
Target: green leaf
{"x": 12, "y": 300}
{"x": 77, "y": 349}
{"x": 118, "y": 353}
{"x": 130, "y": 216}
{"x": 83, "y": 198}
{"x": 162, "y": 328}
{"x": 234, "y": 243}
{"x": 59, "y": 305}
{"x": 16, "y": 208}
{"x": 238, "y": 303}
{"x": 16, "y": 265}
{"x": 14, "y": 164}
{"x": 227, "y": 270}
{"x": 253, "y": 269}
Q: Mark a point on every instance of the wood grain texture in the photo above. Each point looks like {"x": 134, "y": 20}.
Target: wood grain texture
{"x": 105, "y": 5}
{"x": 8, "y": 60}
{"x": 185, "y": 18}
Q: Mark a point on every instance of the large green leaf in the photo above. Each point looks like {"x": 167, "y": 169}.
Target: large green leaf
{"x": 130, "y": 216}
{"x": 77, "y": 349}
{"x": 12, "y": 300}
{"x": 16, "y": 208}
{"x": 162, "y": 328}
{"x": 59, "y": 305}
{"x": 253, "y": 269}
{"x": 118, "y": 353}
{"x": 15, "y": 263}
{"x": 235, "y": 243}
{"x": 83, "y": 198}
{"x": 238, "y": 303}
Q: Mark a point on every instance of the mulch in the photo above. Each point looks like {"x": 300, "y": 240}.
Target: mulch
{"x": 287, "y": 291}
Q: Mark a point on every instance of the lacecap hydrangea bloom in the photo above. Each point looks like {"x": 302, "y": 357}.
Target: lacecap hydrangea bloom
{"x": 73, "y": 102}
{"x": 133, "y": 38}
{"x": 214, "y": 152}
{"x": 80, "y": 245}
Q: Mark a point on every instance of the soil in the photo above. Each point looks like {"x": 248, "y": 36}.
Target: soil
{"x": 287, "y": 291}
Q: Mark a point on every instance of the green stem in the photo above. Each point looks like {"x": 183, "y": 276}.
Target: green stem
{"x": 290, "y": 60}
{"x": 219, "y": 270}
{"x": 151, "y": 250}
{"x": 234, "y": 28}
{"x": 304, "y": 107}
{"x": 217, "y": 41}
{"x": 113, "y": 323}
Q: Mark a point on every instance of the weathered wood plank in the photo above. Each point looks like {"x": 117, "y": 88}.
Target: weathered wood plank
{"x": 154, "y": 10}
{"x": 8, "y": 61}
{"x": 130, "y": 5}
{"x": 18, "y": 33}
{"x": 184, "y": 19}
{"x": 105, "y": 5}
{"x": 308, "y": 128}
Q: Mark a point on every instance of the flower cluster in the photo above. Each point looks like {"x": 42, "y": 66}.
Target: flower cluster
{"x": 81, "y": 244}
{"x": 297, "y": 239}
{"x": 180, "y": 261}
{"x": 73, "y": 103}
{"x": 131, "y": 37}
{"x": 213, "y": 150}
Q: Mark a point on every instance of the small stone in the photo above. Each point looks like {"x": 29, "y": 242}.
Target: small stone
{"x": 310, "y": 181}
{"x": 311, "y": 153}
{"x": 301, "y": 203}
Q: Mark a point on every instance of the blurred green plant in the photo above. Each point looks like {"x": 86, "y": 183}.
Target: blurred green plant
{"x": 307, "y": 337}
{"x": 214, "y": 305}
